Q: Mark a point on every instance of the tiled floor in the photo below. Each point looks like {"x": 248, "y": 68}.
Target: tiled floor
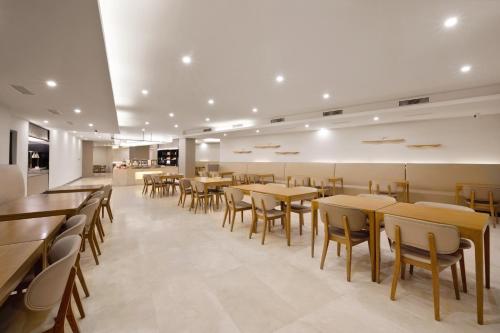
{"x": 165, "y": 269}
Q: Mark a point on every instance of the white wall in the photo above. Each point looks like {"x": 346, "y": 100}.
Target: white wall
{"x": 120, "y": 154}
{"x": 207, "y": 152}
{"x": 103, "y": 156}
{"x": 65, "y": 158}
{"x": 464, "y": 140}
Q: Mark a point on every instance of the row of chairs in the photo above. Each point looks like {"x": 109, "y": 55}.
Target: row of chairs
{"x": 45, "y": 304}
{"x": 156, "y": 186}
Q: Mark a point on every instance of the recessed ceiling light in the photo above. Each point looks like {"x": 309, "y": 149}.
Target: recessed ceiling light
{"x": 225, "y": 134}
{"x": 144, "y": 130}
{"x": 46, "y": 121}
{"x": 255, "y": 110}
{"x": 450, "y": 22}
{"x": 306, "y": 125}
{"x": 186, "y": 60}
{"x": 144, "y": 92}
{"x": 77, "y": 110}
{"x": 280, "y": 78}
{"x": 51, "y": 83}
{"x": 207, "y": 119}
{"x": 74, "y": 132}
{"x": 171, "y": 114}
{"x": 176, "y": 125}
{"x": 91, "y": 125}
{"x": 376, "y": 118}
{"x": 211, "y": 101}
{"x": 326, "y": 96}
{"x": 257, "y": 131}
{"x": 465, "y": 68}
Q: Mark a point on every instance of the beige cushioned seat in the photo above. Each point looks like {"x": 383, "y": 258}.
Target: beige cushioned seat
{"x": 12, "y": 182}
{"x": 444, "y": 260}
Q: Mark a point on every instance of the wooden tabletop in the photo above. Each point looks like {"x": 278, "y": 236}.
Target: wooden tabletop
{"x": 213, "y": 180}
{"x": 352, "y": 201}
{"x": 41, "y": 205}
{"x": 277, "y": 190}
{"x": 26, "y": 230}
{"x": 16, "y": 260}
{"x": 75, "y": 188}
{"x": 175, "y": 176}
{"x": 461, "y": 219}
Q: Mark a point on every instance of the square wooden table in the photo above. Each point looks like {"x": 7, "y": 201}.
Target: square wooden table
{"x": 16, "y": 261}
{"x": 75, "y": 188}
{"x": 42, "y": 205}
{"x": 366, "y": 204}
{"x": 26, "y": 230}
{"x": 283, "y": 194}
{"x": 471, "y": 225}
{"x": 212, "y": 182}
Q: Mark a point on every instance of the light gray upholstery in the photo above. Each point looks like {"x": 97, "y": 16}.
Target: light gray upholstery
{"x": 444, "y": 205}
{"x": 382, "y": 197}
{"x": 90, "y": 210}
{"x": 12, "y": 182}
{"x": 235, "y": 194}
{"x": 264, "y": 201}
{"x": 355, "y": 217}
{"x": 73, "y": 226}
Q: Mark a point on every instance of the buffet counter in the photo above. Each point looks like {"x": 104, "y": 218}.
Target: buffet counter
{"x": 133, "y": 176}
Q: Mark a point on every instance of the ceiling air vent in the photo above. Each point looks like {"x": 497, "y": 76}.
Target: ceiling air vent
{"x": 277, "y": 120}
{"x": 414, "y": 101}
{"x": 69, "y": 122}
{"x": 22, "y": 90}
{"x": 208, "y": 129}
{"x": 332, "y": 113}
{"x": 54, "y": 112}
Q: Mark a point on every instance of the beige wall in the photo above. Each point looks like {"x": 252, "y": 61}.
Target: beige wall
{"x": 87, "y": 158}
{"x": 139, "y": 153}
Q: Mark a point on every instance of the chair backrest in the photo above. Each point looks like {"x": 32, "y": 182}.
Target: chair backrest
{"x": 444, "y": 205}
{"x": 74, "y": 226}
{"x": 107, "y": 189}
{"x": 185, "y": 183}
{"x": 481, "y": 193}
{"x": 415, "y": 233}
{"x": 276, "y": 184}
{"x": 382, "y": 197}
{"x": 383, "y": 186}
{"x": 236, "y": 194}
{"x": 214, "y": 174}
{"x": 197, "y": 186}
{"x": 263, "y": 201}
{"x": 12, "y": 182}
{"x": 320, "y": 182}
{"x": 46, "y": 289}
{"x": 203, "y": 173}
{"x": 300, "y": 181}
{"x": 333, "y": 216}
{"x": 98, "y": 194}
{"x": 90, "y": 210}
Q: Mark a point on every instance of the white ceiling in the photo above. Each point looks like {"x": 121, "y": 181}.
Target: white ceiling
{"x": 57, "y": 40}
{"x": 358, "y": 51}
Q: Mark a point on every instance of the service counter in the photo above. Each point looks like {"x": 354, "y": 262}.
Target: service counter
{"x": 134, "y": 176}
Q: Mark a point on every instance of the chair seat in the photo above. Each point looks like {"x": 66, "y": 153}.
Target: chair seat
{"x": 297, "y": 208}
{"x": 104, "y": 201}
{"x": 188, "y": 190}
{"x": 272, "y": 213}
{"x": 15, "y": 317}
{"x": 465, "y": 244}
{"x": 356, "y": 236}
{"x": 243, "y": 205}
{"x": 423, "y": 256}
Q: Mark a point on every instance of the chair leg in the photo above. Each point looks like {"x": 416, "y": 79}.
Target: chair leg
{"x": 395, "y": 276}
{"x": 325, "y": 250}
{"x": 403, "y": 271}
{"x": 411, "y": 269}
{"x": 264, "y": 231}
{"x": 241, "y": 216}
{"x": 226, "y": 212}
{"x": 94, "y": 238}
{"x": 338, "y": 249}
{"x": 100, "y": 230}
{"x": 435, "y": 291}
{"x": 79, "y": 273}
{"x": 232, "y": 220}
{"x": 349, "y": 260}
{"x": 110, "y": 213}
{"x": 462, "y": 272}
{"x": 71, "y": 319}
{"x": 78, "y": 301}
{"x": 455, "y": 280}
{"x": 301, "y": 222}
{"x": 253, "y": 226}
{"x": 92, "y": 248}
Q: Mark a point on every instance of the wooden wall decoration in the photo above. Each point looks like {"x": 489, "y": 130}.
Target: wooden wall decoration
{"x": 423, "y": 146}
{"x": 269, "y": 145}
{"x": 287, "y": 152}
{"x": 384, "y": 140}
{"x": 242, "y": 151}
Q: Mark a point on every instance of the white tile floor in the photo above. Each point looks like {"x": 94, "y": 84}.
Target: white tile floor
{"x": 164, "y": 269}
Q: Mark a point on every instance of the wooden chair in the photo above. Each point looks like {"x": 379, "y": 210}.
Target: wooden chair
{"x": 465, "y": 244}
{"x": 91, "y": 211}
{"x": 203, "y": 173}
{"x": 47, "y": 302}
{"x": 100, "y": 229}
{"x": 483, "y": 198}
{"x": 323, "y": 185}
{"x": 251, "y": 179}
{"x": 159, "y": 187}
{"x": 299, "y": 181}
{"x": 393, "y": 189}
{"x": 345, "y": 226}
{"x": 185, "y": 189}
{"x": 148, "y": 182}
{"x": 427, "y": 245}
{"x": 106, "y": 202}
{"x": 239, "y": 178}
{"x": 263, "y": 207}
{"x": 234, "y": 203}
{"x": 199, "y": 196}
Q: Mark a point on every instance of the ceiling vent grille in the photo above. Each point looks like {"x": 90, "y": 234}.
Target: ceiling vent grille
{"x": 414, "y": 101}
{"x": 208, "y": 129}
{"x": 332, "y": 113}
{"x": 277, "y": 120}
{"x": 69, "y": 122}
{"x": 54, "y": 112}
{"x": 21, "y": 89}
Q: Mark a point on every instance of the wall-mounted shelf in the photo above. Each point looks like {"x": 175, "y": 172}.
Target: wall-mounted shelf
{"x": 423, "y": 146}
{"x": 242, "y": 151}
{"x": 384, "y": 141}
{"x": 287, "y": 152}
{"x": 267, "y": 146}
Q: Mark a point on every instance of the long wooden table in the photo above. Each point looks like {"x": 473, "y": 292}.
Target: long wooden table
{"x": 283, "y": 194}
{"x": 15, "y": 261}
{"x": 368, "y": 205}
{"x": 212, "y": 182}
{"x": 26, "y": 230}
{"x": 75, "y": 188}
{"x": 42, "y": 205}
{"x": 473, "y": 226}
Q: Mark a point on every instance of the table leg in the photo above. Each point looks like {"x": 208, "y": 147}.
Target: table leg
{"x": 478, "y": 248}
{"x": 373, "y": 244}
{"x": 314, "y": 224}
{"x": 377, "y": 248}
{"x": 288, "y": 221}
{"x": 487, "y": 256}
{"x": 206, "y": 197}
{"x": 45, "y": 253}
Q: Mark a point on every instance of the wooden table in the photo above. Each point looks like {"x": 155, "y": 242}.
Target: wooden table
{"x": 42, "y": 205}
{"x": 262, "y": 176}
{"x": 212, "y": 182}
{"x": 26, "y": 230}
{"x": 473, "y": 226}
{"x": 75, "y": 188}
{"x": 367, "y": 205}
{"x": 283, "y": 194}
{"x": 16, "y": 260}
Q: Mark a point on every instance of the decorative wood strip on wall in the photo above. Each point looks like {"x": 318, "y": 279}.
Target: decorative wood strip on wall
{"x": 430, "y": 145}
{"x": 287, "y": 152}
{"x": 242, "y": 151}
{"x": 383, "y": 140}
{"x": 267, "y": 146}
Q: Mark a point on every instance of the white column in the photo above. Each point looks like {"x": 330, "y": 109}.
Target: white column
{"x": 187, "y": 151}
